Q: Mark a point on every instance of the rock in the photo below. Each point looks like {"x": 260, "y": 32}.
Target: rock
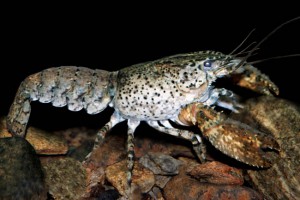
{"x": 217, "y": 173}
{"x": 160, "y": 163}
{"x": 161, "y": 181}
{"x": 183, "y": 186}
{"x": 46, "y": 143}
{"x": 142, "y": 179}
{"x": 3, "y": 130}
{"x": 156, "y": 193}
{"x": 21, "y": 175}
{"x": 65, "y": 177}
{"x": 111, "y": 151}
{"x": 163, "y": 166}
{"x": 282, "y": 119}
{"x": 188, "y": 188}
{"x": 43, "y": 142}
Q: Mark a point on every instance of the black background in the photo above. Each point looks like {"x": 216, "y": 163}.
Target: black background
{"x": 116, "y": 37}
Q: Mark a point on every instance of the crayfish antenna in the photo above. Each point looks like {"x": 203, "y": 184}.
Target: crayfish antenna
{"x": 250, "y": 53}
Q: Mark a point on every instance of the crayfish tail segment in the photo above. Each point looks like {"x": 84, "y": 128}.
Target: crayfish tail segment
{"x": 19, "y": 111}
{"x": 17, "y": 120}
{"x": 251, "y": 78}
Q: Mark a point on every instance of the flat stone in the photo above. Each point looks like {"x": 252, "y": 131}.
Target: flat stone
{"x": 21, "y": 175}
{"x": 217, "y": 173}
{"x": 161, "y": 181}
{"x": 46, "y": 143}
{"x": 160, "y": 163}
{"x": 65, "y": 178}
{"x": 142, "y": 178}
{"x": 184, "y": 186}
{"x": 43, "y": 142}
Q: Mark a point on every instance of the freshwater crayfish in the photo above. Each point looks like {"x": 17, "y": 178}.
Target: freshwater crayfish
{"x": 156, "y": 92}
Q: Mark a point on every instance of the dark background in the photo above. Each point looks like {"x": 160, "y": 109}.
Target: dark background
{"x": 111, "y": 38}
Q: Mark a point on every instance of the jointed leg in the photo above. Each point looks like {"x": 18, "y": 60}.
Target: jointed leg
{"x": 223, "y": 98}
{"x": 130, "y": 151}
{"x": 198, "y": 145}
{"x": 114, "y": 119}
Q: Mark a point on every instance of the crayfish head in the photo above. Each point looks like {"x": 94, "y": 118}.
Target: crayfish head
{"x": 228, "y": 66}
{"x": 221, "y": 65}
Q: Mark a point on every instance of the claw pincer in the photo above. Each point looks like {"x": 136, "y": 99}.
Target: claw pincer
{"x": 233, "y": 138}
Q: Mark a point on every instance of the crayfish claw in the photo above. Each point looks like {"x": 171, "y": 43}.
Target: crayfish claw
{"x": 251, "y": 78}
{"x": 243, "y": 143}
{"x": 233, "y": 138}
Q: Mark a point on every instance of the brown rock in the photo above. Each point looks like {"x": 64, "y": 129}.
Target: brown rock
{"x": 183, "y": 186}
{"x": 65, "y": 177}
{"x": 142, "y": 179}
{"x": 217, "y": 173}
{"x": 188, "y": 188}
{"x": 282, "y": 119}
{"x": 43, "y": 142}
{"x": 3, "y": 130}
{"x": 111, "y": 151}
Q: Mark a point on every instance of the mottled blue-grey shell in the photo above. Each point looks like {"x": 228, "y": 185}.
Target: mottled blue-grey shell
{"x": 75, "y": 87}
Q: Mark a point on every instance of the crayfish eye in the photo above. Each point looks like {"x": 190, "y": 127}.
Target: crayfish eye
{"x": 207, "y": 63}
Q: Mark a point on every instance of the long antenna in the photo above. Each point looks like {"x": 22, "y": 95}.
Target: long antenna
{"x": 234, "y": 50}
{"x": 264, "y": 39}
{"x": 273, "y": 58}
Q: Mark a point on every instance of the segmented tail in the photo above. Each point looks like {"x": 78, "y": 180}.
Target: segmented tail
{"x": 75, "y": 87}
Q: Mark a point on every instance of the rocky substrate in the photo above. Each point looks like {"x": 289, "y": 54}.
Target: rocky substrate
{"x": 52, "y": 166}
